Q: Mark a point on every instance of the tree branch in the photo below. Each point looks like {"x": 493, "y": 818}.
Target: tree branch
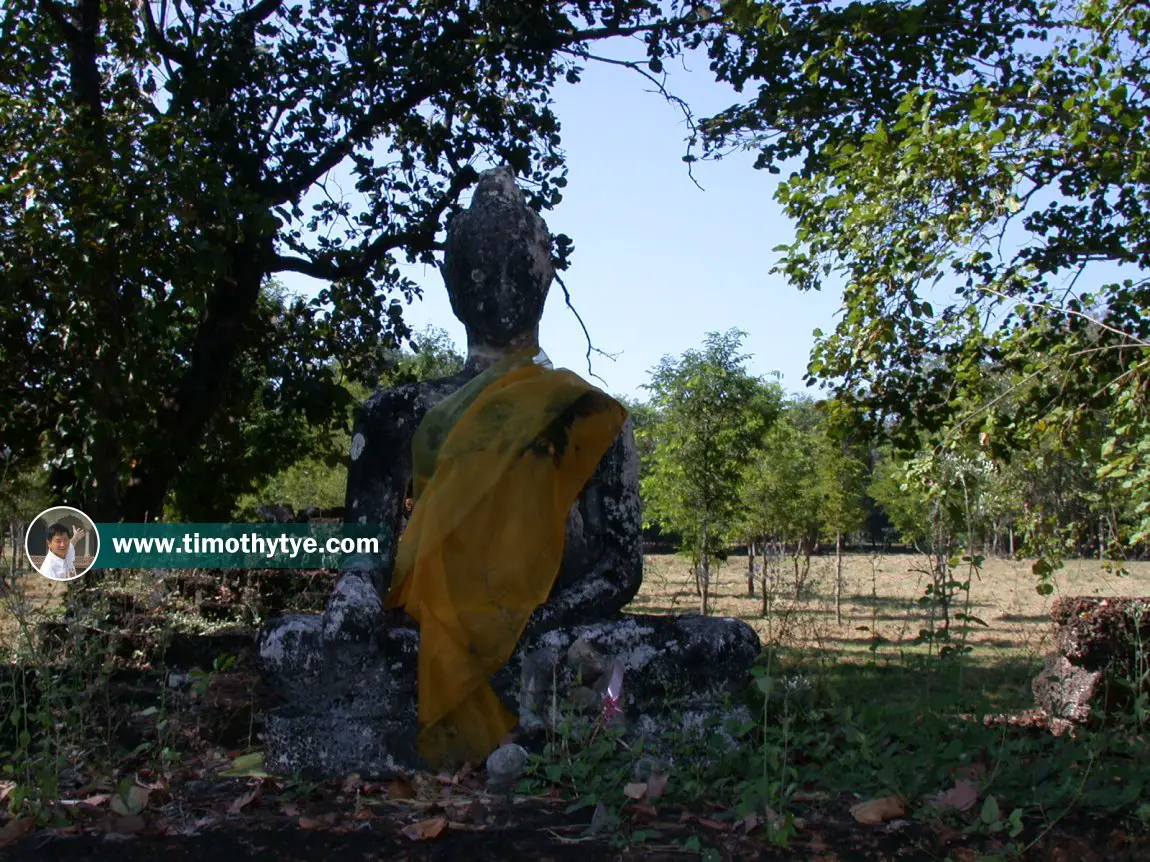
{"x": 586, "y": 334}
{"x": 361, "y": 130}
{"x": 168, "y": 51}
{"x": 382, "y": 113}
{"x": 423, "y": 235}
{"x": 53, "y": 11}
{"x": 671, "y": 98}
{"x": 257, "y": 14}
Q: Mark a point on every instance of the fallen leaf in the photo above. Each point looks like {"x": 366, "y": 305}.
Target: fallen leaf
{"x": 130, "y": 803}
{"x": 247, "y": 765}
{"x": 364, "y": 814}
{"x": 290, "y": 809}
{"x": 875, "y": 811}
{"x": 817, "y": 844}
{"x": 635, "y": 790}
{"x": 95, "y": 801}
{"x": 962, "y": 797}
{"x": 750, "y": 822}
{"x": 645, "y": 810}
{"x": 656, "y": 784}
{"x": 240, "y": 802}
{"x": 310, "y": 823}
{"x": 399, "y": 788}
{"x": 425, "y": 830}
{"x": 6, "y": 787}
{"x": 16, "y": 829}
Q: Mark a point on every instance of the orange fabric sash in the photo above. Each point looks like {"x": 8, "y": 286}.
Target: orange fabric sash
{"x": 498, "y": 466}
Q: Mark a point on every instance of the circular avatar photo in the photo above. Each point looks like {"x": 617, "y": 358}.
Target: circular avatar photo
{"x": 62, "y": 543}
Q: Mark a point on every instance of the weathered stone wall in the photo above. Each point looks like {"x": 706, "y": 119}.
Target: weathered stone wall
{"x": 1102, "y": 650}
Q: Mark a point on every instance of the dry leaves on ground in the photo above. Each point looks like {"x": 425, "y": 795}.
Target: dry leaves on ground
{"x": 652, "y": 788}
{"x": 131, "y": 801}
{"x": 321, "y": 822}
{"x": 240, "y": 802}
{"x": 962, "y": 797}
{"x": 875, "y": 811}
{"x": 425, "y": 830}
{"x": 16, "y": 829}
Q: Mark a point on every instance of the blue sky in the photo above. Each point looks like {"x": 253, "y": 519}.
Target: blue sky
{"x": 657, "y": 263}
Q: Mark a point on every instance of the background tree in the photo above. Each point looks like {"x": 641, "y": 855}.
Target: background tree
{"x": 23, "y": 493}
{"x": 711, "y": 413}
{"x": 163, "y": 161}
{"x": 780, "y": 499}
{"x": 842, "y": 467}
{"x": 320, "y": 479}
{"x": 976, "y": 178}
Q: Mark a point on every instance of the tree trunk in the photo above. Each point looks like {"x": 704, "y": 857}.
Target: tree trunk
{"x": 750, "y": 570}
{"x": 182, "y": 422}
{"x": 764, "y": 591}
{"x": 705, "y": 593}
{"x": 839, "y": 577}
{"x": 1011, "y": 537}
{"x": 795, "y": 563}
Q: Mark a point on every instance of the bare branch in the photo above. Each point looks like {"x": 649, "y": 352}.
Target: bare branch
{"x": 661, "y": 88}
{"x": 590, "y": 347}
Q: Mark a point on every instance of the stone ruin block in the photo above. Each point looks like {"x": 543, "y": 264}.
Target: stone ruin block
{"x": 1102, "y": 655}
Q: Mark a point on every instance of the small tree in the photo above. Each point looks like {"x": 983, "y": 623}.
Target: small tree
{"x": 711, "y": 415}
{"x": 780, "y": 497}
{"x": 841, "y": 470}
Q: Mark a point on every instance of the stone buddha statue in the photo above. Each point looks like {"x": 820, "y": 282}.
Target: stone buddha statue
{"x": 349, "y": 675}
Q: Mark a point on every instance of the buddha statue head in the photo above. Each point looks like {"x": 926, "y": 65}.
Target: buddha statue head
{"x": 497, "y": 267}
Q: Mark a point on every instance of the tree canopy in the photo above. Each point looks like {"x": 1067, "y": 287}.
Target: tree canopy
{"x": 164, "y": 160}
{"x": 975, "y": 177}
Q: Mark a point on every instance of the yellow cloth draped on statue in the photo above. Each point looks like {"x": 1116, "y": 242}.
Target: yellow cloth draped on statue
{"x": 497, "y": 466}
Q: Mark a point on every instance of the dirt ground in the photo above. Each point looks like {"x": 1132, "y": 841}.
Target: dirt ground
{"x": 880, "y": 598}
{"x": 197, "y": 814}
{"x": 257, "y": 819}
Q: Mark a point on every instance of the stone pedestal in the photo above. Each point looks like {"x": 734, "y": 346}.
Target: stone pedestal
{"x": 352, "y": 700}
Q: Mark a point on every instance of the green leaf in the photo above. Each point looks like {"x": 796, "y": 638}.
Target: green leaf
{"x": 990, "y": 813}
{"x": 250, "y": 764}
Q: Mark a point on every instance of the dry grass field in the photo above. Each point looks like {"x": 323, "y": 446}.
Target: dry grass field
{"x": 881, "y": 597}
